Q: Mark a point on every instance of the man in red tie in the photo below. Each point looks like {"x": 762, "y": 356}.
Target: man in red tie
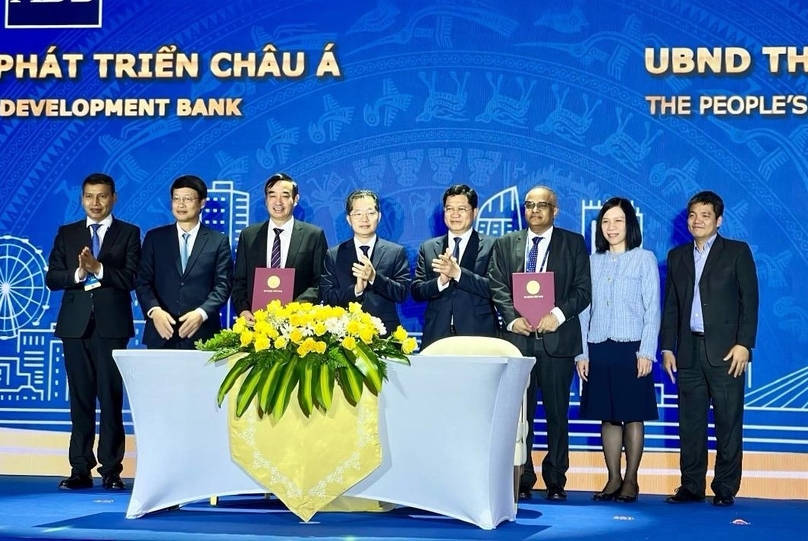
{"x": 281, "y": 241}
{"x": 367, "y": 269}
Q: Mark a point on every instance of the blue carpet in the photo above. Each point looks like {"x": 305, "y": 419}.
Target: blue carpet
{"x": 33, "y": 508}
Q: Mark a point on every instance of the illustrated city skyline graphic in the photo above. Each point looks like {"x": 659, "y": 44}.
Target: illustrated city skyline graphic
{"x": 33, "y": 381}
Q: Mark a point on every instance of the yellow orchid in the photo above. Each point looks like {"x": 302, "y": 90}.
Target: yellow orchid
{"x": 261, "y": 342}
{"x": 349, "y": 343}
{"x": 400, "y": 334}
{"x": 408, "y": 345}
{"x": 246, "y": 337}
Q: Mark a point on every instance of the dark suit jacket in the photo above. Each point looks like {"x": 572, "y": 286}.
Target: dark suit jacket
{"x": 112, "y": 301}
{"x": 469, "y": 299}
{"x": 306, "y": 253}
{"x": 569, "y": 261}
{"x": 729, "y": 299}
{"x": 204, "y": 284}
{"x": 380, "y": 298}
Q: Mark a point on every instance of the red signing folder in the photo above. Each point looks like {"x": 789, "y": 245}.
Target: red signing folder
{"x": 271, "y": 284}
{"x": 533, "y": 295}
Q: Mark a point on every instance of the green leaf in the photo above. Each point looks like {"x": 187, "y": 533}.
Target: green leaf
{"x": 286, "y": 385}
{"x": 367, "y": 363}
{"x": 248, "y": 389}
{"x": 266, "y": 393}
{"x": 324, "y": 386}
{"x": 351, "y": 382}
{"x": 238, "y": 368}
{"x": 305, "y": 397}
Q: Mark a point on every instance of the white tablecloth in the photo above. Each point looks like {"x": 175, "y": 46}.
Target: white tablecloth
{"x": 446, "y": 426}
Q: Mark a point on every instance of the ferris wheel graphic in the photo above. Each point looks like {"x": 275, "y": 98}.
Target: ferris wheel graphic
{"x": 23, "y": 295}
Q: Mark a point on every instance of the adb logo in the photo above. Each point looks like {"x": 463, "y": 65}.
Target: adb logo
{"x": 53, "y": 13}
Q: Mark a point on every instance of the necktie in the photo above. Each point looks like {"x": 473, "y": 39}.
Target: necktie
{"x": 184, "y": 250}
{"x": 275, "y": 262}
{"x": 365, "y": 250}
{"x": 533, "y": 255}
{"x": 96, "y": 240}
{"x": 456, "y": 251}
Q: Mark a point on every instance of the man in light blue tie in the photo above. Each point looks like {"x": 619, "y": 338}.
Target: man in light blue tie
{"x": 451, "y": 273}
{"x": 556, "y": 339}
{"x": 94, "y": 262}
{"x": 185, "y": 273}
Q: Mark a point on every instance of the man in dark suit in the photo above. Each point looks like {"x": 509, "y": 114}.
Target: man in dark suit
{"x": 281, "y": 241}
{"x": 709, "y": 325}
{"x": 451, "y": 274}
{"x": 366, "y": 269}
{"x": 184, "y": 275}
{"x": 94, "y": 262}
{"x": 556, "y": 340}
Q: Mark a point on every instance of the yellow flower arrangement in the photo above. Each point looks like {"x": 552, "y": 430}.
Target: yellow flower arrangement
{"x": 310, "y": 347}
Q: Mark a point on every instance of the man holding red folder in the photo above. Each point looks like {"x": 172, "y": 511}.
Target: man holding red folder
{"x": 280, "y": 242}
{"x": 554, "y": 338}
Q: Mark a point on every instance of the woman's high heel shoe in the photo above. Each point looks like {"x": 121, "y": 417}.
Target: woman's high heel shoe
{"x": 606, "y": 496}
{"x": 628, "y": 498}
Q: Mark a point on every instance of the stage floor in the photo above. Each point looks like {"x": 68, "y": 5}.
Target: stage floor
{"x": 33, "y": 508}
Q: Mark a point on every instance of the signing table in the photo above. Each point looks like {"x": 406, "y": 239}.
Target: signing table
{"x": 446, "y": 426}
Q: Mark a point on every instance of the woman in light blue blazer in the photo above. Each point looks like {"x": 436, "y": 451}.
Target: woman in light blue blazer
{"x": 620, "y": 329}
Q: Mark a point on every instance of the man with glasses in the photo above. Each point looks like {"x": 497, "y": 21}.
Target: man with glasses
{"x": 366, "y": 269}
{"x": 184, "y": 275}
{"x": 280, "y": 242}
{"x": 451, "y": 274}
{"x": 94, "y": 262}
{"x": 556, "y": 339}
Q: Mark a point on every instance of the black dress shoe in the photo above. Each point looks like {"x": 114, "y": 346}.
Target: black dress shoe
{"x": 113, "y": 482}
{"x": 525, "y": 492}
{"x": 76, "y": 482}
{"x": 556, "y": 493}
{"x": 683, "y": 495}
{"x": 723, "y": 501}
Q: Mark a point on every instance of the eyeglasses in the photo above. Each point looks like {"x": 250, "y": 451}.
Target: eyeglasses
{"x": 184, "y": 199}
{"x": 458, "y": 210}
{"x": 541, "y": 205}
{"x": 370, "y": 214}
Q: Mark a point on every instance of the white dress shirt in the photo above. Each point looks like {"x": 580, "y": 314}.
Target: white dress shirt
{"x": 102, "y": 232}
{"x": 464, "y": 242}
{"x": 286, "y": 240}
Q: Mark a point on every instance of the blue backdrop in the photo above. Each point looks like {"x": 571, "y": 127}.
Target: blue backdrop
{"x": 502, "y": 95}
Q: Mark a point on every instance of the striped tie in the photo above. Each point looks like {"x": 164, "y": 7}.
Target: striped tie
{"x": 275, "y": 261}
